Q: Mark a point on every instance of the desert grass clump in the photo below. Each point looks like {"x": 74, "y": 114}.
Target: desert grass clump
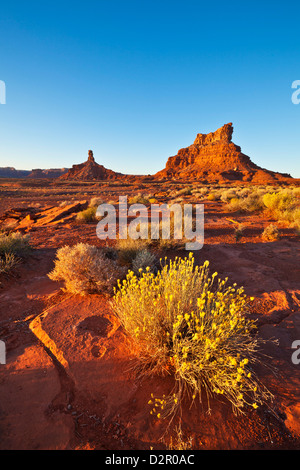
{"x": 183, "y": 192}
{"x": 283, "y": 205}
{"x": 139, "y": 199}
{"x": 252, "y": 202}
{"x": 271, "y": 233}
{"x": 85, "y": 269}
{"x": 87, "y": 216}
{"x": 182, "y": 321}
{"x": 15, "y": 243}
{"x": 95, "y": 202}
{"x": 7, "y": 262}
{"x": 227, "y": 195}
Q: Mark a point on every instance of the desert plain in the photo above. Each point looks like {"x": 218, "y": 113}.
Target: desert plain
{"x": 68, "y": 381}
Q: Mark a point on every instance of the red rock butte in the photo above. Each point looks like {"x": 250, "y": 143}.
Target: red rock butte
{"x": 90, "y": 171}
{"x": 214, "y": 158}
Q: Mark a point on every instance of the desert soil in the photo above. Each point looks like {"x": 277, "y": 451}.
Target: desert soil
{"x": 68, "y": 381}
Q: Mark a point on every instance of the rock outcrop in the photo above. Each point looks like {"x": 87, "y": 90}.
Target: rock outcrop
{"x": 89, "y": 171}
{"x": 24, "y": 219}
{"x": 214, "y": 158}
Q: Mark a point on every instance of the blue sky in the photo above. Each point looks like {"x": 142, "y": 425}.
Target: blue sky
{"x": 135, "y": 81}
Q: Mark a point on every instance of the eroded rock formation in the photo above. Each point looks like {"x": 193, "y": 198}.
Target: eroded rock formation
{"x": 214, "y": 157}
{"x": 90, "y": 171}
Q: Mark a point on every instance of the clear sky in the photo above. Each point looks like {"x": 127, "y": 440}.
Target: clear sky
{"x": 135, "y": 81}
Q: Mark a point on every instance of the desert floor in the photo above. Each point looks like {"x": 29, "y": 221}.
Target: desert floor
{"x": 68, "y": 383}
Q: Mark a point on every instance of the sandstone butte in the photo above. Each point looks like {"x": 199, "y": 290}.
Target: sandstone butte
{"x": 90, "y": 171}
{"x": 214, "y": 158}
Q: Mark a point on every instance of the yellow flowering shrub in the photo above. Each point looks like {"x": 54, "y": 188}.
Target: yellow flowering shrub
{"x": 187, "y": 322}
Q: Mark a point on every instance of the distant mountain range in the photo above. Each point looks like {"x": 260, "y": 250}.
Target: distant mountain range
{"x": 11, "y": 172}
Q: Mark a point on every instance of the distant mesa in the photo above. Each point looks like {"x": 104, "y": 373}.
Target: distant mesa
{"x": 90, "y": 171}
{"x": 10, "y": 172}
{"x": 214, "y": 158}
{"x": 51, "y": 173}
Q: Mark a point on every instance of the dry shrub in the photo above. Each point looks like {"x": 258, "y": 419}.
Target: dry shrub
{"x": 139, "y": 199}
{"x": 95, "y": 202}
{"x": 129, "y": 248}
{"x": 85, "y": 269}
{"x": 184, "y": 192}
{"x": 185, "y": 323}
{"x": 7, "y": 262}
{"x": 144, "y": 259}
{"x": 239, "y": 232}
{"x": 271, "y": 233}
{"x": 281, "y": 204}
{"x": 180, "y": 442}
{"x": 87, "y": 216}
{"x": 252, "y": 202}
{"x": 15, "y": 243}
{"x": 13, "y": 247}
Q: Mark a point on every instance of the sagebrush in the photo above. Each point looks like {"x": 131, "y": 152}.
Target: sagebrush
{"x": 85, "y": 269}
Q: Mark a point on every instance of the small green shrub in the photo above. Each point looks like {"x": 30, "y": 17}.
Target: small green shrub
{"x": 283, "y": 206}
{"x": 279, "y": 202}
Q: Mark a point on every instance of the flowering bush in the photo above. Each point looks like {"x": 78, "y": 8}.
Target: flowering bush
{"x": 185, "y": 322}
